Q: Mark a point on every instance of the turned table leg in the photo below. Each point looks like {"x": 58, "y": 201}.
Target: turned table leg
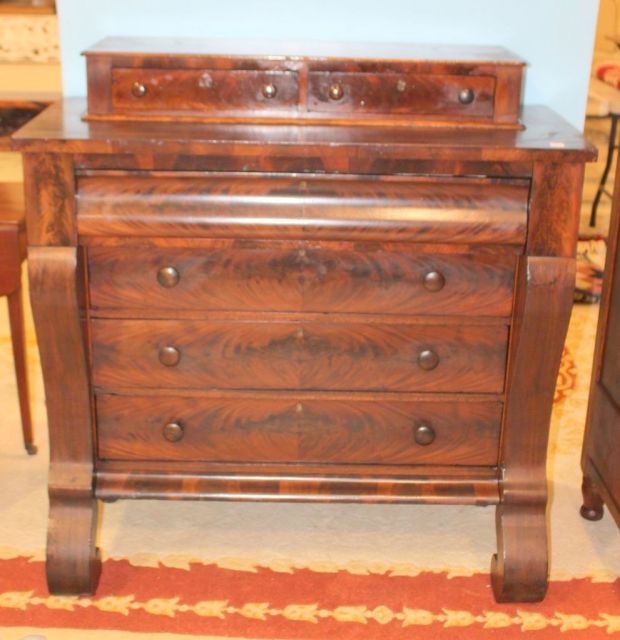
{"x": 542, "y": 310}
{"x": 73, "y": 563}
{"x": 592, "y": 508}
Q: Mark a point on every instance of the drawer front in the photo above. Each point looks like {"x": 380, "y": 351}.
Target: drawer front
{"x": 202, "y": 89}
{"x": 345, "y": 208}
{"x": 294, "y": 430}
{"x": 403, "y": 94}
{"x": 235, "y": 276}
{"x": 298, "y": 355}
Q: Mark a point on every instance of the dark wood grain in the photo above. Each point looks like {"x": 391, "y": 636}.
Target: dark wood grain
{"x": 421, "y": 210}
{"x": 554, "y": 209}
{"x": 309, "y": 277}
{"x": 361, "y": 165}
{"x": 546, "y": 137}
{"x": 300, "y": 355}
{"x": 72, "y": 559}
{"x": 203, "y": 90}
{"x": 398, "y": 93}
{"x": 246, "y": 287}
{"x": 212, "y": 84}
{"x": 245, "y": 429}
{"x": 599, "y": 459}
{"x": 422, "y": 484}
{"x": 49, "y": 185}
{"x": 542, "y": 310}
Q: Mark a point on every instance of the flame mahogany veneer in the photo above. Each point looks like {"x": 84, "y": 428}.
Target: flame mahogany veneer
{"x": 264, "y": 275}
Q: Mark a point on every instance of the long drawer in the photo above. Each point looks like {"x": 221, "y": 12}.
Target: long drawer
{"x": 421, "y": 209}
{"x": 291, "y": 429}
{"x": 330, "y": 277}
{"x": 299, "y": 355}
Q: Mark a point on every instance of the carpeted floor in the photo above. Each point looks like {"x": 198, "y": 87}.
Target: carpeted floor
{"x": 259, "y": 571}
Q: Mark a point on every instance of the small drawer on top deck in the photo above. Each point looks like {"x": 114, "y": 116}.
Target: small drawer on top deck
{"x": 205, "y": 90}
{"x": 298, "y": 430}
{"x": 306, "y": 354}
{"x": 423, "y": 94}
{"x": 328, "y": 277}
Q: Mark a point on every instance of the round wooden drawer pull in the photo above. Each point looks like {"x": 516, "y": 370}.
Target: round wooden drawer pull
{"x": 424, "y": 434}
{"x": 173, "y": 432}
{"x": 138, "y": 89}
{"x": 169, "y": 356}
{"x": 434, "y": 281}
{"x": 428, "y": 359}
{"x": 335, "y": 91}
{"x": 466, "y": 96}
{"x": 168, "y": 277}
{"x": 270, "y": 90}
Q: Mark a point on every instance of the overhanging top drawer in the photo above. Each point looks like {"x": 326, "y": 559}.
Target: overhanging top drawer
{"x": 344, "y": 207}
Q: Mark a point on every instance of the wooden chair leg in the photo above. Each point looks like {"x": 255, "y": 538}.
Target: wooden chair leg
{"x": 592, "y": 507}
{"x": 611, "y": 147}
{"x": 18, "y": 338}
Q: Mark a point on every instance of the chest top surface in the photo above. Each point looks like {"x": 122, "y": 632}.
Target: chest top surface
{"x": 275, "y": 99}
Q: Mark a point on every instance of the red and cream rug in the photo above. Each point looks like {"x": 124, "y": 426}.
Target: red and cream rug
{"x": 264, "y": 571}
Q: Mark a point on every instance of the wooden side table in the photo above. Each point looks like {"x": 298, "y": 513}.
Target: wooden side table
{"x": 17, "y": 108}
{"x": 12, "y": 254}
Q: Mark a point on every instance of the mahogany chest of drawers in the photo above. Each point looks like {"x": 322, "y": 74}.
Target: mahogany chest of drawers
{"x": 262, "y": 275}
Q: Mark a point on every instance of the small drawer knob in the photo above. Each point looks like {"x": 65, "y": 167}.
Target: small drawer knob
{"x": 401, "y": 85}
{"x": 270, "y": 90}
{"x": 138, "y": 89}
{"x": 466, "y": 96}
{"x": 169, "y": 356}
{"x": 424, "y": 434}
{"x": 173, "y": 431}
{"x": 428, "y": 359}
{"x": 335, "y": 91}
{"x": 434, "y": 281}
{"x": 168, "y": 277}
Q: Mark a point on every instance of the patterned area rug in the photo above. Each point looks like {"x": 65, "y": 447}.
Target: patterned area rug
{"x": 591, "y": 252}
{"x": 288, "y": 602}
{"x": 257, "y": 571}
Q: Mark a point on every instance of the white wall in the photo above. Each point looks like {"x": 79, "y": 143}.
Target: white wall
{"x": 554, "y": 36}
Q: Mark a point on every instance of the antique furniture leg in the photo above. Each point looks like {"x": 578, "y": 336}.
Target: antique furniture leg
{"x": 592, "y": 507}
{"x": 73, "y": 563}
{"x": 611, "y": 147}
{"x": 12, "y": 254}
{"x": 18, "y": 338}
{"x": 543, "y": 304}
